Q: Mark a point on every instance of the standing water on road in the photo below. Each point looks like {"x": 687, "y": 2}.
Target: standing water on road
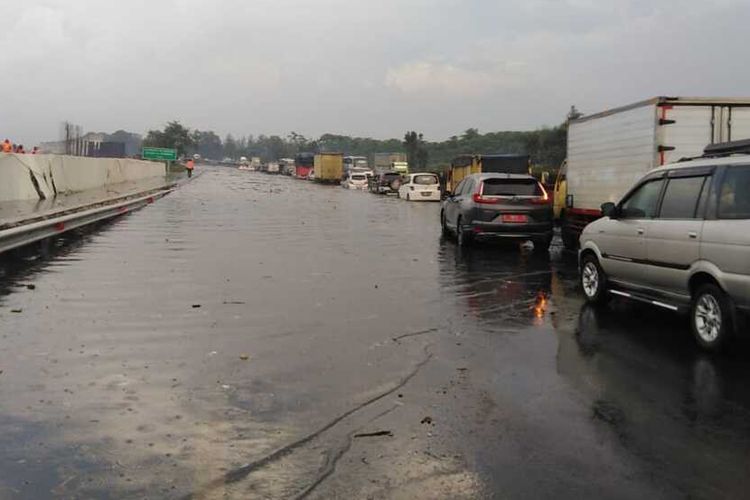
{"x": 260, "y": 336}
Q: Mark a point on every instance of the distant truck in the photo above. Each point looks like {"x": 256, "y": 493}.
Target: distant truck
{"x": 609, "y": 151}
{"x": 354, "y": 162}
{"x": 303, "y": 165}
{"x": 465, "y": 165}
{"x": 401, "y": 167}
{"x": 383, "y": 162}
{"x": 286, "y": 166}
{"x": 329, "y": 167}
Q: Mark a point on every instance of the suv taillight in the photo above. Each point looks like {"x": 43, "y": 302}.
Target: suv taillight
{"x": 487, "y": 201}
{"x": 545, "y": 199}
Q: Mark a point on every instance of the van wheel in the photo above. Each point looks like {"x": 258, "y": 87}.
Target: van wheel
{"x": 711, "y": 317}
{"x": 593, "y": 280}
{"x": 463, "y": 239}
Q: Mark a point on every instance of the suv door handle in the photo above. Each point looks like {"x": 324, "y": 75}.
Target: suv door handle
{"x": 692, "y": 234}
{"x": 641, "y": 230}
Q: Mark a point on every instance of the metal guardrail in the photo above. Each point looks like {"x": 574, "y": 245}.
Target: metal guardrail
{"x": 29, "y": 233}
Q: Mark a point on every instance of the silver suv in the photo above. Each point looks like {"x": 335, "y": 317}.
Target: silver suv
{"x": 680, "y": 240}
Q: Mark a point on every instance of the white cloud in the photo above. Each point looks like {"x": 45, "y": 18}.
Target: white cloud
{"x": 435, "y": 79}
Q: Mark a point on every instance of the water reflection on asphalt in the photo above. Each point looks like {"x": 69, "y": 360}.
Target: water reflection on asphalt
{"x": 233, "y": 338}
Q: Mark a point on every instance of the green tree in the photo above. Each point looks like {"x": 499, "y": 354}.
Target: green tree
{"x": 208, "y": 144}
{"x": 230, "y": 147}
{"x": 174, "y": 136}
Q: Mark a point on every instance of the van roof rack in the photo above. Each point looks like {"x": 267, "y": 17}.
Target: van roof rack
{"x": 727, "y": 148}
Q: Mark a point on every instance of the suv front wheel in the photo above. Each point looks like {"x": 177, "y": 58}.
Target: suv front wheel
{"x": 711, "y": 317}
{"x": 593, "y": 280}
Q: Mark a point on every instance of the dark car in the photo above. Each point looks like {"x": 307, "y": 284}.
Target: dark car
{"x": 385, "y": 183}
{"x": 499, "y": 207}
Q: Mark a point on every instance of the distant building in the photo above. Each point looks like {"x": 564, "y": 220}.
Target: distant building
{"x": 121, "y": 144}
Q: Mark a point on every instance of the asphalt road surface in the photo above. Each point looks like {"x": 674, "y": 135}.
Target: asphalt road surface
{"x": 254, "y": 336}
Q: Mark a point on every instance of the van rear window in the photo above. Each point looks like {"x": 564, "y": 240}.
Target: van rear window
{"x": 511, "y": 187}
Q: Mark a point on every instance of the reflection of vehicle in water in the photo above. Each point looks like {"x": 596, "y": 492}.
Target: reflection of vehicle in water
{"x": 505, "y": 292}
{"x": 303, "y": 165}
{"x": 663, "y": 403}
{"x": 420, "y": 187}
{"x": 679, "y": 240}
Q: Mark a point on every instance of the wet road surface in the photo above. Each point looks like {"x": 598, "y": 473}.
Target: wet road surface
{"x": 257, "y": 336}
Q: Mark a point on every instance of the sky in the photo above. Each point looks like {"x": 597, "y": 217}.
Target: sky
{"x": 355, "y": 67}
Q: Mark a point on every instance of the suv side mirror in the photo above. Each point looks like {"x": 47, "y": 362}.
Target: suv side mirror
{"x": 609, "y": 209}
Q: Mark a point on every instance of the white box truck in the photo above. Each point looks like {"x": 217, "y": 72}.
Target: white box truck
{"x": 609, "y": 151}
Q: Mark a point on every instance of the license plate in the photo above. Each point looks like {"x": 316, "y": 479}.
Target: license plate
{"x": 426, "y": 194}
{"x": 515, "y": 218}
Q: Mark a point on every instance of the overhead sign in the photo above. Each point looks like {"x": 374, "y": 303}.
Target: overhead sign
{"x": 161, "y": 154}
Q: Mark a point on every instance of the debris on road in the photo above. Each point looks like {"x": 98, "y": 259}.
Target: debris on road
{"x": 17, "y": 311}
{"x": 196, "y": 306}
{"x": 426, "y": 420}
{"x": 244, "y": 357}
{"x": 374, "y": 434}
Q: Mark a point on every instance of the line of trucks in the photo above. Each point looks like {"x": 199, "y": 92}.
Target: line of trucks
{"x": 334, "y": 167}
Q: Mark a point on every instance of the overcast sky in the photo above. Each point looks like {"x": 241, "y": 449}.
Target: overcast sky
{"x": 358, "y": 67}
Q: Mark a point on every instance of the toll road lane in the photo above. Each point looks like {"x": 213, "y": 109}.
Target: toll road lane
{"x": 258, "y": 336}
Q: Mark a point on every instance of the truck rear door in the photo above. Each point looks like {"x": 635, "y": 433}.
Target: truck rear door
{"x": 685, "y": 131}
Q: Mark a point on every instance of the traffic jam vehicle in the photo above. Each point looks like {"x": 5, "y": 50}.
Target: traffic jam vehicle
{"x": 420, "y": 187}
{"x": 304, "y": 164}
{"x": 499, "y": 207}
{"x": 679, "y": 240}
{"x": 609, "y": 151}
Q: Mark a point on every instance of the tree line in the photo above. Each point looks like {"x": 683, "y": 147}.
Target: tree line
{"x": 546, "y": 146}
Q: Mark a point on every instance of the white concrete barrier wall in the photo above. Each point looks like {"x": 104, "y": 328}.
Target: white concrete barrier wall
{"x": 67, "y": 174}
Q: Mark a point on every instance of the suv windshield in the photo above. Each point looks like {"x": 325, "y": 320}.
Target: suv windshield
{"x": 425, "y": 180}
{"x": 511, "y": 187}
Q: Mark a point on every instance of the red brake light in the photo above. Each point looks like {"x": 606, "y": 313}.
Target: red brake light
{"x": 544, "y": 199}
{"x": 488, "y": 201}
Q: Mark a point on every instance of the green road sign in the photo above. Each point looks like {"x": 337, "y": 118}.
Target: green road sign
{"x": 162, "y": 154}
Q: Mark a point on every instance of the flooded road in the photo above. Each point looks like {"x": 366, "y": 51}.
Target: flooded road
{"x": 258, "y": 336}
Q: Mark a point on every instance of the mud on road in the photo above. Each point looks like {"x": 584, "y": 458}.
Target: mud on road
{"x": 258, "y": 336}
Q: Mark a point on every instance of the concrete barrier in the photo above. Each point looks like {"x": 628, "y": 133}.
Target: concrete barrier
{"x": 33, "y": 177}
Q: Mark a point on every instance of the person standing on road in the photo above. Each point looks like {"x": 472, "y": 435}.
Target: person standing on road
{"x": 7, "y": 146}
{"x": 190, "y": 165}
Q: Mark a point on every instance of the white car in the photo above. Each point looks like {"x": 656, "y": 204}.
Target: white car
{"x": 356, "y": 180}
{"x": 420, "y": 187}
